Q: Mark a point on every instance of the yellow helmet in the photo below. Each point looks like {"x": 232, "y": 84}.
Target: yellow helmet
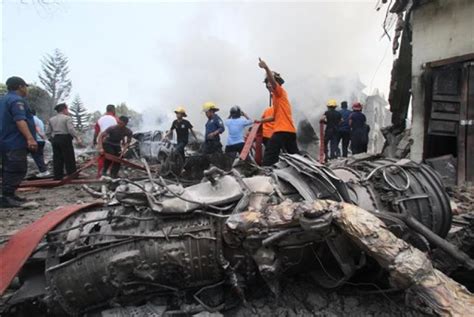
{"x": 181, "y": 110}
{"x": 332, "y": 103}
{"x": 209, "y": 106}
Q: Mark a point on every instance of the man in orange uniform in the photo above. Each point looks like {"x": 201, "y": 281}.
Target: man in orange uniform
{"x": 284, "y": 132}
{"x": 267, "y": 124}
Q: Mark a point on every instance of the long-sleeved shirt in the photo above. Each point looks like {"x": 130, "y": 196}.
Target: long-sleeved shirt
{"x": 61, "y": 124}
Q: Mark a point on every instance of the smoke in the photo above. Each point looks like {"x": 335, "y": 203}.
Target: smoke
{"x": 319, "y": 48}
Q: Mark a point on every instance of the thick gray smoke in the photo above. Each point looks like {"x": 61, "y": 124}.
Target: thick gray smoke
{"x": 319, "y": 48}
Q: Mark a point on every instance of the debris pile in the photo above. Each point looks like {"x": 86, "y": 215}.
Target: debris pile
{"x": 159, "y": 245}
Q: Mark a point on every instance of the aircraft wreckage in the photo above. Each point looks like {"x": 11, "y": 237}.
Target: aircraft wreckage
{"x": 160, "y": 247}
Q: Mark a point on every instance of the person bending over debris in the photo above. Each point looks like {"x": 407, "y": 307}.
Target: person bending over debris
{"x": 17, "y": 137}
{"x": 214, "y": 127}
{"x": 332, "y": 118}
{"x": 359, "y": 130}
{"x": 182, "y": 127}
{"x": 61, "y": 133}
{"x": 106, "y": 121}
{"x": 38, "y": 156}
{"x": 267, "y": 124}
{"x": 236, "y": 128}
{"x": 344, "y": 132}
{"x": 284, "y": 131}
{"x": 111, "y": 141}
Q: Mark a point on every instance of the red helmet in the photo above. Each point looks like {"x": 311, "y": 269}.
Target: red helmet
{"x": 357, "y": 106}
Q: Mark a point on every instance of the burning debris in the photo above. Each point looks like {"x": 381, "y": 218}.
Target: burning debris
{"x": 161, "y": 246}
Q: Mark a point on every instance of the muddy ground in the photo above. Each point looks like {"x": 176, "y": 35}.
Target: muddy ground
{"x": 300, "y": 296}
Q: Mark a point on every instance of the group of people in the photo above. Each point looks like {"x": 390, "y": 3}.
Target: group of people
{"x": 346, "y": 127}
{"x": 20, "y": 134}
{"x": 23, "y": 133}
{"x": 278, "y": 129}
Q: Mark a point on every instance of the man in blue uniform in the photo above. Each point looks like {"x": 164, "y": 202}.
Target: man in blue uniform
{"x": 17, "y": 138}
{"x": 214, "y": 127}
{"x": 344, "y": 132}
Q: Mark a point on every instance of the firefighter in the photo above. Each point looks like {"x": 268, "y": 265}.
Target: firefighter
{"x": 182, "y": 128}
{"x": 332, "y": 118}
{"x": 344, "y": 133}
{"x": 359, "y": 129}
{"x": 214, "y": 128}
{"x": 284, "y": 131}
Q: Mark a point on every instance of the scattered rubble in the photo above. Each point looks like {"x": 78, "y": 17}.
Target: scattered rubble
{"x": 236, "y": 237}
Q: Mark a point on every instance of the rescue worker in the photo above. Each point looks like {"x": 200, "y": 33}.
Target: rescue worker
{"x": 344, "y": 132}
{"x": 61, "y": 132}
{"x": 235, "y": 128}
{"x": 284, "y": 131}
{"x": 17, "y": 138}
{"x": 214, "y": 127}
{"x": 182, "y": 128}
{"x": 359, "y": 129}
{"x": 332, "y": 118}
{"x": 267, "y": 124}
{"x": 113, "y": 141}
{"x": 38, "y": 156}
{"x": 107, "y": 120}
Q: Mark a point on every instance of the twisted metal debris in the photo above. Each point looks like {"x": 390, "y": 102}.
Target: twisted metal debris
{"x": 199, "y": 248}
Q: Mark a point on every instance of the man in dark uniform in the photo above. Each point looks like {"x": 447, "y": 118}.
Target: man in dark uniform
{"x": 182, "y": 127}
{"x": 61, "y": 132}
{"x": 17, "y": 138}
{"x": 214, "y": 127}
{"x": 112, "y": 141}
{"x": 359, "y": 130}
{"x": 332, "y": 118}
{"x": 344, "y": 133}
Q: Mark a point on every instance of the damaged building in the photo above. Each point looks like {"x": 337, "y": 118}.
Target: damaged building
{"x": 435, "y": 70}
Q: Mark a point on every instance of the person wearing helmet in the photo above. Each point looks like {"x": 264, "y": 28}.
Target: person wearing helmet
{"x": 236, "y": 127}
{"x": 359, "y": 129}
{"x": 344, "y": 133}
{"x": 214, "y": 127}
{"x": 284, "y": 131}
{"x": 332, "y": 118}
{"x": 182, "y": 128}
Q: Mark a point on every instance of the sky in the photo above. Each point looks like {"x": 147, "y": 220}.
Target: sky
{"x": 156, "y": 55}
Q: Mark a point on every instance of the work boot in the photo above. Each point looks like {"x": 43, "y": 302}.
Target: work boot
{"x": 10, "y": 202}
{"x": 20, "y": 199}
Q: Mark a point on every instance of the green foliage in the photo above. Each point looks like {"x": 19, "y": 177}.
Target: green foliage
{"x": 54, "y": 77}
{"x": 79, "y": 114}
{"x": 39, "y": 100}
{"x": 136, "y": 118}
{"x": 3, "y": 90}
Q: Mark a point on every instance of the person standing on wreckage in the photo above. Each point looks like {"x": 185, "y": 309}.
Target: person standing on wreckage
{"x": 214, "y": 128}
{"x": 284, "y": 131}
{"x": 182, "y": 128}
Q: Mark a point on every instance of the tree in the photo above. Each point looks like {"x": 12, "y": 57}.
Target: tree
{"x": 39, "y": 100}
{"x": 3, "y": 90}
{"x": 79, "y": 114}
{"x": 123, "y": 110}
{"x": 54, "y": 77}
